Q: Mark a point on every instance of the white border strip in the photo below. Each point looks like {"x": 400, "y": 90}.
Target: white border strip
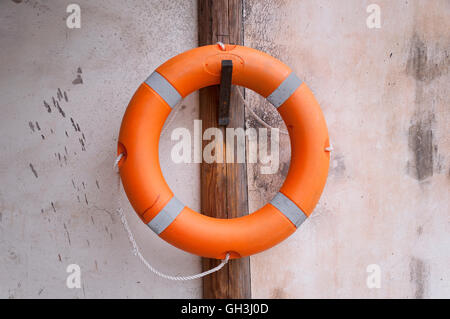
{"x": 289, "y": 209}
{"x": 166, "y": 216}
{"x": 161, "y": 86}
{"x": 284, "y": 90}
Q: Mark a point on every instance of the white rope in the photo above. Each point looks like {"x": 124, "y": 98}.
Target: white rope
{"x": 221, "y": 45}
{"x": 137, "y": 252}
{"x": 116, "y": 162}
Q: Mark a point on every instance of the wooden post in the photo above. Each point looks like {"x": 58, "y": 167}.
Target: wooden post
{"x": 223, "y": 186}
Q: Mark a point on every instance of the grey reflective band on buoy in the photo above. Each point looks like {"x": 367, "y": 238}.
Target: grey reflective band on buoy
{"x": 164, "y": 89}
{"x": 284, "y": 90}
{"x": 289, "y": 209}
{"x": 166, "y": 216}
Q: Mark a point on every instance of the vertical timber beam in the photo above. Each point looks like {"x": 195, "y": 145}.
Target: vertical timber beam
{"x": 223, "y": 185}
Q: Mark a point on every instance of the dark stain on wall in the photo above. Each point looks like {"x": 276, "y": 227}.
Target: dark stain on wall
{"x": 33, "y": 170}
{"x": 73, "y": 124}
{"x": 67, "y": 234}
{"x": 59, "y": 94}
{"x": 35, "y": 4}
{"x": 47, "y": 106}
{"x": 337, "y": 167}
{"x": 78, "y": 79}
{"x": 419, "y": 231}
{"x": 426, "y": 62}
{"x": 423, "y": 66}
{"x": 418, "y": 276}
{"x": 60, "y": 110}
{"x": 420, "y": 142}
{"x": 83, "y": 146}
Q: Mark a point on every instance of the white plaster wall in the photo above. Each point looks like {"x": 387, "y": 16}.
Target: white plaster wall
{"x": 46, "y": 222}
{"x": 386, "y": 200}
{"x": 384, "y": 93}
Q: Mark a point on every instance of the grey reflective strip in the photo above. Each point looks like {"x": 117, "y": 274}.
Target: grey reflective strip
{"x": 289, "y": 209}
{"x": 166, "y": 216}
{"x": 158, "y": 83}
{"x": 285, "y": 90}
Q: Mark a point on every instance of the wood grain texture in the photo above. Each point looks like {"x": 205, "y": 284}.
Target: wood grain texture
{"x": 223, "y": 186}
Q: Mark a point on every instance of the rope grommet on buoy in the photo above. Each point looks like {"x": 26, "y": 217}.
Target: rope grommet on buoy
{"x": 221, "y": 45}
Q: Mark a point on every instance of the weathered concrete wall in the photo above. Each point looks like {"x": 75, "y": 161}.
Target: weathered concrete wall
{"x": 384, "y": 93}
{"x": 59, "y": 193}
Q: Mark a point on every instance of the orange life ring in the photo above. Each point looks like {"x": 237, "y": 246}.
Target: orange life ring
{"x": 152, "y": 198}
